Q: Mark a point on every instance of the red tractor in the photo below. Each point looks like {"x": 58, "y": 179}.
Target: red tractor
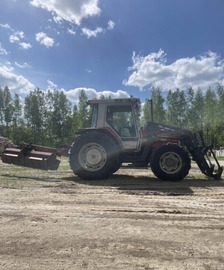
{"x": 115, "y": 137}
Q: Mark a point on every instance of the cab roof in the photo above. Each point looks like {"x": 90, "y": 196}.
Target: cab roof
{"x": 112, "y": 101}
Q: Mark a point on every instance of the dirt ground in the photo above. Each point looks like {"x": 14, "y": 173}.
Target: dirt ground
{"x": 53, "y": 220}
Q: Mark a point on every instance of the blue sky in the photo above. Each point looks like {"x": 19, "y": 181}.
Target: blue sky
{"x": 111, "y": 47}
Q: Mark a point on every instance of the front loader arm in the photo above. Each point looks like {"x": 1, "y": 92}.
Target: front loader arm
{"x": 201, "y": 154}
{"x": 195, "y": 144}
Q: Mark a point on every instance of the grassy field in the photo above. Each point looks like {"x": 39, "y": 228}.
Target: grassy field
{"x": 21, "y": 177}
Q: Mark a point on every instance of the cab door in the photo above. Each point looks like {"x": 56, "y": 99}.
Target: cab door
{"x": 122, "y": 120}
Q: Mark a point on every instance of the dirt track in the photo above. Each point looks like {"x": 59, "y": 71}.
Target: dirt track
{"x": 131, "y": 221}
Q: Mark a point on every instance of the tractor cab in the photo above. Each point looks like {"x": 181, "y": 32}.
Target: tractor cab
{"x": 118, "y": 117}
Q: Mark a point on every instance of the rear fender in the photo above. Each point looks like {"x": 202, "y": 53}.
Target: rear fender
{"x": 108, "y": 131}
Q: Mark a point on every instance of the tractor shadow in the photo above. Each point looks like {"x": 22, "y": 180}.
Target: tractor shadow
{"x": 144, "y": 185}
{"x": 126, "y": 180}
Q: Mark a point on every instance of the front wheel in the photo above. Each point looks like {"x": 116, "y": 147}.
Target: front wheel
{"x": 170, "y": 162}
{"x": 92, "y": 156}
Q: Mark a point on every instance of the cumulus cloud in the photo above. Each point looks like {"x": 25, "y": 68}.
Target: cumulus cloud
{"x": 153, "y": 70}
{"x": 16, "y": 83}
{"x": 88, "y": 70}
{"x": 24, "y": 65}
{"x": 2, "y": 50}
{"x": 6, "y": 26}
{"x": 51, "y": 85}
{"x": 25, "y": 45}
{"x": 73, "y": 94}
{"x": 44, "y": 39}
{"x": 16, "y": 37}
{"x": 111, "y": 25}
{"x": 70, "y": 10}
{"x": 71, "y": 31}
{"x": 92, "y": 33}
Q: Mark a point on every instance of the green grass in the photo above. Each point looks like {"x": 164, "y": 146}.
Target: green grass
{"x": 12, "y": 176}
{"x": 15, "y": 177}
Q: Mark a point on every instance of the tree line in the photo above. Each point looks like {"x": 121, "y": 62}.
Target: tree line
{"x": 193, "y": 110}
{"x": 46, "y": 118}
{"x": 49, "y": 118}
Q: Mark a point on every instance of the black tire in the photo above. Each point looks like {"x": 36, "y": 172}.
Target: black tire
{"x": 93, "y": 156}
{"x": 170, "y": 162}
{"x": 116, "y": 166}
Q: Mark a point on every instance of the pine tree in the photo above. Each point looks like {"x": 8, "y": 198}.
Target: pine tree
{"x": 62, "y": 118}
{"x": 147, "y": 112}
{"x": 17, "y": 110}
{"x": 210, "y": 114}
{"x": 1, "y": 107}
{"x": 76, "y": 125}
{"x": 176, "y": 108}
{"x": 198, "y": 108}
{"x": 159, "y": 113}
{"x": 83, "y": 109}
{"x": 190, "y": 99}
{"x": 17, "y": 121}
{"x": 34, "y": 112}
{"x": 7, "y": 110}
{"x": 220, "y": 104}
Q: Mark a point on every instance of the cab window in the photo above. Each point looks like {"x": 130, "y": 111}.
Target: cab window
{"x": 94, "y": 116}
{"x": 120, "y": 119}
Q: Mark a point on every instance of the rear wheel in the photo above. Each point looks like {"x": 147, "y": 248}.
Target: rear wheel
{"x": 93, "y": 155}
{"x": 170, "y": 162}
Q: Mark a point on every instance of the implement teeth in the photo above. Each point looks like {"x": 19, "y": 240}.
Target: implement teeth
{"x": 32, "y": 159}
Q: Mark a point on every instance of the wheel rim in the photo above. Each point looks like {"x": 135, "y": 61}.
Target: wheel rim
{"x": 92, "y": 157}
{"x": 170, "y": 162}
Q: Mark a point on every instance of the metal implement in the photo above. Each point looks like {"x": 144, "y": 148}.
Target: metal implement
{"x": 33, "y": 156}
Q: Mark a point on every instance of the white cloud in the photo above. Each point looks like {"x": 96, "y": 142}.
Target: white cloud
{"x": 25, "y": 45}
{"x": 7, "y": 26}
{"x": 24, "y": 65}
{"x": 51, "y": 85}
{"x": 73, "y": 94}
{"x": 44, "y": 39}
{"x": 16, "y": 36}
{"x": 88, "y": 70}
{"x": 152, "y": 69}
{"x": 70, "y": 10}
{"x": 111, "y": 25}
{"x": 13, "y": 39}
{"x": 92, "y": 33}
{"x": 71, "y": 31}
{"x": 57, "y": 19}
{"x": 16, "y": 83}
{"x": 2, "y": 50}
